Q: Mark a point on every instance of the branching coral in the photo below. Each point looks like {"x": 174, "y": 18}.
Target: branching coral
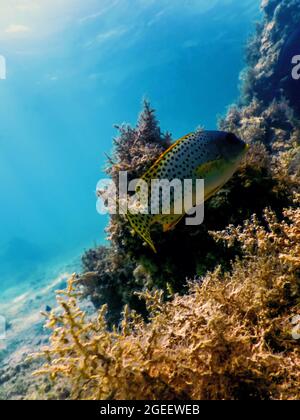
{"x": 135, "y": 149}
{"x": 230, "y": 337}
{"x": 110, "y": 272}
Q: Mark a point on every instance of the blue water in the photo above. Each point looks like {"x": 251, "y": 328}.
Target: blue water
{"x": 74, "y": 68}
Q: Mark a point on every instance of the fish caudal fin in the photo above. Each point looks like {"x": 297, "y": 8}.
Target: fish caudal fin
{"x": 141, "y": 223}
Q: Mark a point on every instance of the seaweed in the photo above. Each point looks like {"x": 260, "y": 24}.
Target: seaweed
{"x": 229, "y": 337}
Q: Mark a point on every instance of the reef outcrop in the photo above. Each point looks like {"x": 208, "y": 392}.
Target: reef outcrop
{"x": 266, "y": 117}
{"x": 268, "y": 177}
{"x": 271, "y": 55}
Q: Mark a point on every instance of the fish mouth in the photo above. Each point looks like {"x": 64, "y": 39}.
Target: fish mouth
{"x": 244, "y": 147}
{"x": 244, "y": 150}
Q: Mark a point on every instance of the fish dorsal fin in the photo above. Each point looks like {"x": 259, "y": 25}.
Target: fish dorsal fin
{"x": 163, "y": 155}
{"x": 141, "y": 223}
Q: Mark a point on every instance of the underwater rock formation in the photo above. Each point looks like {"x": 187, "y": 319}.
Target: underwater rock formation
{"x": 266, "y": 119}
{"x": 271, "y": 52}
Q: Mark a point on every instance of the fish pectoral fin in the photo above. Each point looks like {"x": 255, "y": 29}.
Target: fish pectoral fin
{"x": 170, "y": 226}
{"x": 141, "y": 224}
{"x": 206, "y": 168}
{"x": 167, "y": 227}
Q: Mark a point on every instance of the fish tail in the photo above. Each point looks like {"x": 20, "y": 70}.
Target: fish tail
{"x": 141, "y": 223}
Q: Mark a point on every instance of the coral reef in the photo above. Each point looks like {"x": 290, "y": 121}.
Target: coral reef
{"x": 270, "y": 54}
{"x": 230, "y": 337}
{"x": 267, "y": 177}
{"x": 267, "y": 117}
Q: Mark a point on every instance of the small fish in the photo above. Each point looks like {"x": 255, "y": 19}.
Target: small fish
{"x": 210, "y": 155}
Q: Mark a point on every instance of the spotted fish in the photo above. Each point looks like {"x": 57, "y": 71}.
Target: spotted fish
{"x": 210, "y": 155}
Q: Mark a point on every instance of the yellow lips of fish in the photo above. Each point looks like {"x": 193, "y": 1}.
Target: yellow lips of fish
{"x": 210, "y": 155}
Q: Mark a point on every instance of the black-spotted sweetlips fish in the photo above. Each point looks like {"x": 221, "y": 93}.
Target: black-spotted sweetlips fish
{"x": 213, "y": 156}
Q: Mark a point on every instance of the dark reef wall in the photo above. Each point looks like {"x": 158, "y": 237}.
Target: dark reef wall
{"x": 270, "y": 54}
{"x": 267, "y": 117}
